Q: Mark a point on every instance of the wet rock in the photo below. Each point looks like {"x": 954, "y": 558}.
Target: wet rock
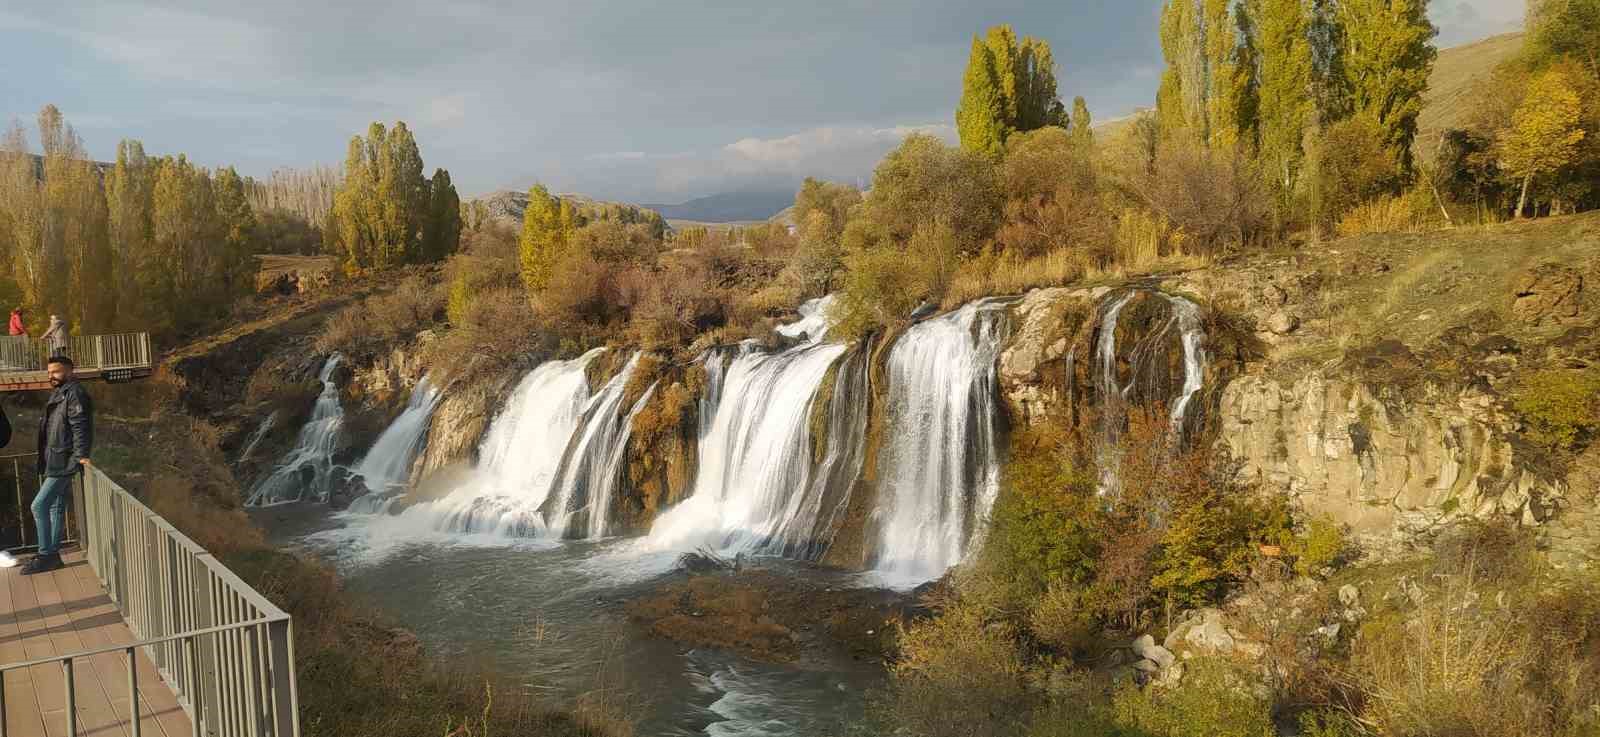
{"x": 706, "y": 561}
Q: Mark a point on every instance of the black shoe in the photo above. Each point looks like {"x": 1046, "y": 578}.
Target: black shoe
{"x": 41, "y": 564}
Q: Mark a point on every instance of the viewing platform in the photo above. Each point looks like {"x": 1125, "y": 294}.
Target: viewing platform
{"x": 141, "y": 633}
{"x": 113, "y": 358}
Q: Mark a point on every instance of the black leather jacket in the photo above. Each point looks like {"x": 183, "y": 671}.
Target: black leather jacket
{"x": 66, "y": 431}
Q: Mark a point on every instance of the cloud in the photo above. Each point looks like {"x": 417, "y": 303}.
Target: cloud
{"x": 845, "y": 153}
{"x": 1464, "y": 21}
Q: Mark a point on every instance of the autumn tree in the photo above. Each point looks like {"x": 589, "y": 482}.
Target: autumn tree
{"x": 1082, "y": 124}
{"x": 1544, "y": 133}
{"x": 1207, "y": 91}
{"x": 1180, "y": 101}
{"x": 546, "y": 230}
{"x": 1009, "y": 86}
{"x": 129, "y": 189}
{"x": 832, "y": 201}
{"x": 380, "y": 210}
{"x": 236, "y": 223}
{"x": 1569, "y": 28}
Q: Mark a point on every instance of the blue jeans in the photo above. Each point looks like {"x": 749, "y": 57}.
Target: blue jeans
{"x": 50, "y": 512}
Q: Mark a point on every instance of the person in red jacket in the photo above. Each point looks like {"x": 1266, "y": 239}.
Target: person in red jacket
{"x": 16, "y": 323}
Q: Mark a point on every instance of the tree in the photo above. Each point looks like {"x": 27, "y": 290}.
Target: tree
{"x": 237, "y": 222}
{"x": 543, "y": 240}
{"x": 1224, "y": 98}
{"x": 129, "y": 188}
{"x": 23, "y": 201}
{"x": 441, "y": 232}
{"x": 1286, "y": 104}
{"x": 831, "y": 201}
{"x": 1566, "y": 28}
{"x": 1386, "y": 55}
{"x": 1009, "y": 87}
{"x": 184, "y": 230}
{"x": 1180, "y": 102}
{"x": 378, "y": 212}
{"x": 1544, "y": 133}
{"x": 980, "y": 117}
{"x": 1082, "y": 124}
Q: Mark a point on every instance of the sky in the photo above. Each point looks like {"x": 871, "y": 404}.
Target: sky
{"x": 620, "y": 99}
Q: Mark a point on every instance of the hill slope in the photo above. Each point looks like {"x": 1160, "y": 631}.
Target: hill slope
{"x": 729, "y": 207}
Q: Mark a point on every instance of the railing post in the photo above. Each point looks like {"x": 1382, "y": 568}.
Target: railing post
{"x": 2, "y": 705}
{"x": 191, "y": 660}
{"x": 133, "y": 691}
{"x": 285, "y": 700}
{"x": 72, "y": 699}
{"x": 100, "y": 351}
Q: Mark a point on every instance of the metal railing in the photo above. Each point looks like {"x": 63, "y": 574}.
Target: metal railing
{"x": 88, "y": 352}
{"x": 23, "y": 468}
{"x": 226, "y": 651}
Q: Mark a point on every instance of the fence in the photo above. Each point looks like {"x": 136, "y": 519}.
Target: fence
{"x": 226, "y": 651}
{"x": 88, "y": 352}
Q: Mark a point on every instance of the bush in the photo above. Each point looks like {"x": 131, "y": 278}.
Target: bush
{"x": 1352, "y": 165}
{"x": 993, "y": 272}
{"x": 881, "y": 287}
{"x": 1043, "y": 532}
{"x": 959, "y": 674}
{"x": 921, "y": 182}
{"x": 1214, "y": 699}
{"x": 1323, "y": 545}
{"x": 1561, "y": 407}
{"x": 358, "y": 330}
{"x": 1407, "y": 213}
{"x": 1051, "y": 197}
{"x": 1216, "y": 199}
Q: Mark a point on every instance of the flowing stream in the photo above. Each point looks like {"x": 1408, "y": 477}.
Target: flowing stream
{"x": 386, "y": 469}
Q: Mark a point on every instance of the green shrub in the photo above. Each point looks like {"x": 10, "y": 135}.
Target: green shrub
{"x": 1043, "y": 534}
{"x": 1328, "y": 723}
{"x": 1323, "y": 545}
{"x": 960, "y": 673}
{"x": 1561, "y": 407}
{"x": 1214, "y": 699}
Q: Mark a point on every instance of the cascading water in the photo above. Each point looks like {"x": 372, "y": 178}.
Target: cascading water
{"x": 519, "y": 456}
{"x": 758, "y": 488}
{"x": 386, "y": 469}
{"x": 939, "y": 469}
{"x": 256, "y": 437}
{"x": 591, "y": 468}
{"x": 1147, "y": 373}
{"x": 309, "y": 466}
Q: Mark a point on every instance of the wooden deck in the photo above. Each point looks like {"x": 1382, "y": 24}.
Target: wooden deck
{"x": 67, "y": 611}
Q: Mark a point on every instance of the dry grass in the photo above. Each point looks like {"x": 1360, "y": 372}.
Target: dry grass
{"x": 990, "y": 274}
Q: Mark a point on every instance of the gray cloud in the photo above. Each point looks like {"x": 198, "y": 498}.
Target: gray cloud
{"x": 618, "y": 98}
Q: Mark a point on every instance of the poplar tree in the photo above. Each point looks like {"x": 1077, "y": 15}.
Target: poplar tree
{"x": 441, "y": 233}
{"x": 543, "y": 240}
{"x": 1222, "y": 96}
{"x": 1247, "y": 75}
{"x": 128, "y": 199}
{"x": 1004, "y": 52}
{"x": 980, "y": 117}
{"x": 402, "y": 199}
{"x": 237, "y": 223}
{"x": 1082, "y": 124}
{"x": 1181, "y": 101}
{"x": 1286, "y": 102}
{"x": 1386, "y": 55}
{"x": 23, "y": 199}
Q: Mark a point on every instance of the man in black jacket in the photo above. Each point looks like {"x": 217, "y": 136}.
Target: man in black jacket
{"x": 66, "y": 436}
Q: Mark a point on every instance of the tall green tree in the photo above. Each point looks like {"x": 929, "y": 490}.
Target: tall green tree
{"x": 236, "y": 221}
{"x": 378, "y": 212}
{"x": 129, "y": 188}
{"x": 441, "y": 233}
{"x": 1566, "y": 28}
{"x": 1008, "y": 87}
{"x": 1181, "y": 101}
{"x": 185, "y": 231}
{"x": 1247, "y": 75}
{"x": 1287, "y": 106}
{"x": 23, "y": 200}
{"x": 1223, "y": 98}
{"x": 1387, "y": 54}
{"x": 981, "y": 116}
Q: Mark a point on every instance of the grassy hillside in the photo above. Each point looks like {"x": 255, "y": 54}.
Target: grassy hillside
{"x": 1456, "y": 74}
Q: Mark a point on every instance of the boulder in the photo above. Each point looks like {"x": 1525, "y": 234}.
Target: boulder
{"x": 1282, "y": 323}
{"x": 1210, "y": 634}
{"x": 1146, "y": 647}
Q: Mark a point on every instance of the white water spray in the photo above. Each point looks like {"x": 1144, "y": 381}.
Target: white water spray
{"x": 386, "y": 469}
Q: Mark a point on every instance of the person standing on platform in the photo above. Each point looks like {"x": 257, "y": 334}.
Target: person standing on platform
{"x": 66, "y": 437}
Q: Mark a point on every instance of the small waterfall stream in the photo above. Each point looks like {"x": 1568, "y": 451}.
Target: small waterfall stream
{"x": 256, "y": 437}
{"x": 938, "y": 474}
{"x": 592, "y": 465}
{"x": 386, "y": 469}
{"x": 309, "y": 465}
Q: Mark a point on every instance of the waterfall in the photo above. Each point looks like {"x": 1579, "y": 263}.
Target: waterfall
{"x": 309, "y": 465}
{"x": 1147, "y": 373}
{"x": 519, "y": 456}
{"x": 758, "y": 488}
{"x": 592, "y": 466}
{"x": 256, "y": 437}
{"x": 386, "y": 469}
{"x": 938, "y": 472}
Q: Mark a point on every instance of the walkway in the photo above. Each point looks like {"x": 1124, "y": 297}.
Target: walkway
{"x": 67, "y": 611}
{"x": 113, "y": 358}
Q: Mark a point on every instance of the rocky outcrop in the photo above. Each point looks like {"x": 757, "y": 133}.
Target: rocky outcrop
{"x": 1548, "y": 293}
{"x": 1034, "y": 370}
{"x": 1387, "y": 471}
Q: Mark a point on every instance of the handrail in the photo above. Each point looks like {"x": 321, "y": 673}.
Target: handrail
{"x": 24, "y": 354}
{"x": 224, "y": 649}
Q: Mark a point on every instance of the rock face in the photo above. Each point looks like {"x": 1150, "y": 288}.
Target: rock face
{"x": 1548, "y": 293}
{"x": 1340, "y": 450}
{"x": 1033, "y": 367}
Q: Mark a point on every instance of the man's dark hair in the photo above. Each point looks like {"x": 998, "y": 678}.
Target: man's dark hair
{"x": 61, "y": 359}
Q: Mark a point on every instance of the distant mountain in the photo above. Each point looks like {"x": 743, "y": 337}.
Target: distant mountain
{"x": 729, "y": 207}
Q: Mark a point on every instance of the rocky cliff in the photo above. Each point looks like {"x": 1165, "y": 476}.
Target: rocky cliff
{"x": 1372, "y": 382}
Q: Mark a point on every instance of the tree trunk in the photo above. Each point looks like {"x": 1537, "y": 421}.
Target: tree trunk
{"x": 1523, "y": 201}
